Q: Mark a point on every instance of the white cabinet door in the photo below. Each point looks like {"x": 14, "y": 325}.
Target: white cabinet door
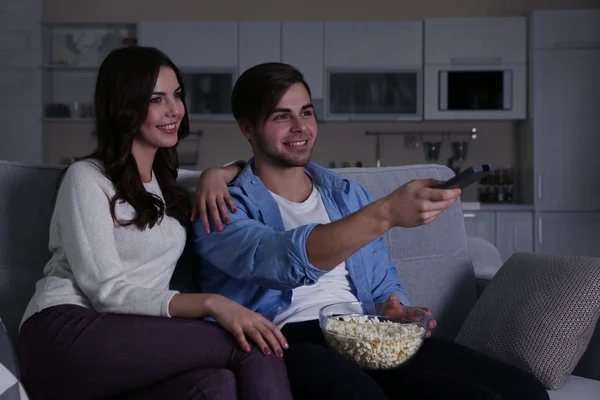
{"x": 260, "y": 42}
{"x": 568, "y": 234}
{"x": 373, "y": 44}
{"x": 199, "y": 44}
{"x": 302, "y": 46}
{"x": 514, "y": 233}
{"x": 566, "y": 131}
{"x": 566, "y": 29}
{"x": 481, "y": 224}
{"x": 476, "y": 41}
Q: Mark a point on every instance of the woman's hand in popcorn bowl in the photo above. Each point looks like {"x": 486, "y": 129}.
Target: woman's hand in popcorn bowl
{"x": 395, "y": 311}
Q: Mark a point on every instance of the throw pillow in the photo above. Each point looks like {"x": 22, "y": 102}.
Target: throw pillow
{"x": 10, "y": 388}
{"x": 538, "y": 314}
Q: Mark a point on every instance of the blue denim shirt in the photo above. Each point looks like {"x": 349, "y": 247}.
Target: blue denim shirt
{"x": 256, "y": 263}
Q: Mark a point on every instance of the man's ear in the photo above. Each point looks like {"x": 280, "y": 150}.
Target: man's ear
{"x": 246, "y": 129}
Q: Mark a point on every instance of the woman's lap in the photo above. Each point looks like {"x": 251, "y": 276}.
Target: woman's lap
{"x": 100, "y": 355}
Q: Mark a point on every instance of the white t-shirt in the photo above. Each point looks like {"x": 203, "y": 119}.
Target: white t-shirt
{"x": 333, "y": 287}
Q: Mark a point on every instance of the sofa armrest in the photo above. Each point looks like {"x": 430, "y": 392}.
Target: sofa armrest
{"x": 486, "y": 261}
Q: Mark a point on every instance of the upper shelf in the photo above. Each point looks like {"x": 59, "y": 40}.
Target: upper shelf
{"x": 83, "y": 45}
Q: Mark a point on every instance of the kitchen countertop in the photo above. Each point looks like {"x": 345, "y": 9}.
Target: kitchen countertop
{"x": 476, "y": 206}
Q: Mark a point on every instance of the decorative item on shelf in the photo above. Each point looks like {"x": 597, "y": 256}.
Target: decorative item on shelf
{"x": 75, "y": 110}
{"x": 57, "y": 110}
{"x": 359, "y": 164}
{"x": 498, "y": 187}
{"x": 82, "y": 47}
{"x": 331, "y": 164}
{"x": 85, "y": 45}
{"x": 129, "y": 41}
{"x": 345, "y": 164}
{"x": 82, "y": 110}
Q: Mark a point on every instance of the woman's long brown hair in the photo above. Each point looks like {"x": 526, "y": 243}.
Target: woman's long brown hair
{"x": 123, "y": 91}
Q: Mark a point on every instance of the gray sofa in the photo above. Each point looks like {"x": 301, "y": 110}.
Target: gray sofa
{"x": 439, "y": 266}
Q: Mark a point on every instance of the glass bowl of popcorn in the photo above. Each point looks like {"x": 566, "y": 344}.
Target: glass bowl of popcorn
{"x": 373, "y": 338}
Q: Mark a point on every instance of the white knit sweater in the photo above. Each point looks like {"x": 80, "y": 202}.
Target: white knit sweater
{"x": 99, "y": 264}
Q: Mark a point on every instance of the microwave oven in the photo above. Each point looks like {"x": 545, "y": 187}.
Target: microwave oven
{"x": 475, "y": 92}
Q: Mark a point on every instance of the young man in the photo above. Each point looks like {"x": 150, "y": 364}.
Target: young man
{"x": 304, "y": 237}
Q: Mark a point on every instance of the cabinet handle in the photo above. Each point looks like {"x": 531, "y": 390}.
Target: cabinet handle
{"x": 540, "y": 241}
{"x": 476, "y": 60}
{"x": 515, "y": 234}
{"x": 539, "y": 186}
{"x": 469, "y": 215}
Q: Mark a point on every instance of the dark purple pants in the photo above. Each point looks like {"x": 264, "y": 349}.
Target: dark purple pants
{"x": 70, "y": 352}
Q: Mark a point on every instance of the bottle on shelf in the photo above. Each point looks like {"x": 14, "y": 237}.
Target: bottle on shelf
{"x": 498, "y": 186}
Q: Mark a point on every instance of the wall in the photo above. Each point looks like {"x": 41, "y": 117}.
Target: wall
{"x": 339, "y": 142}
{"x": 20, "y": 81}
{"x": 222, "y": 142}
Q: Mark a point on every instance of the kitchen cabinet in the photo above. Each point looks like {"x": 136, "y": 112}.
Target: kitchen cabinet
{"x": 476, "y": 41}
{"x": 302, "y": 45}
{"x": 566, "y": 129}
{"x": 510, "y": 231}
{"x": 562, "y": 135}
{"x": 206, "y": 52}
{"x": 481, "y": 224}
{"x": 475, "y": 68}
{"x": 197, "y": 44}
{"x": 373, "y": 70}
{"x": 260, "y": 42}
{"x": 570, "y": 234}
{"x": 557, "y": 29}
{"x": 373, "y": 44}
{"x": 514, "y": 232}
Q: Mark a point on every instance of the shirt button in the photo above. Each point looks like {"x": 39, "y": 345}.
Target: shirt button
{"x": 279, "y": 308}
{"x": 253, "y": 182}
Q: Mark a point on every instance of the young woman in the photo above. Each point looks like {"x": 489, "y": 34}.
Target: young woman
{"x": 103, "y": 323}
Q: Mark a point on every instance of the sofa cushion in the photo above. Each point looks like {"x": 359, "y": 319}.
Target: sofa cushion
{"x": 577, "y": 388}
{"x": 10, "y": 388}
{"x": 432, "y": 260}
{"x": 26, "y": 194}
{"x": 538, "y": 314}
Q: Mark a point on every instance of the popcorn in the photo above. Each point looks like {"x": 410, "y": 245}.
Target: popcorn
{"x": 373, "y": 343}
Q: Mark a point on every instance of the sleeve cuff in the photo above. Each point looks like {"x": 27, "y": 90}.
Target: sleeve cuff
{"x": 310, "y": 273}
{"x": 165, "y": 303}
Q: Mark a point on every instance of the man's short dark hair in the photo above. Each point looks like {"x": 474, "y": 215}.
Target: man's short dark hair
{"x": 260, "y": 88}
